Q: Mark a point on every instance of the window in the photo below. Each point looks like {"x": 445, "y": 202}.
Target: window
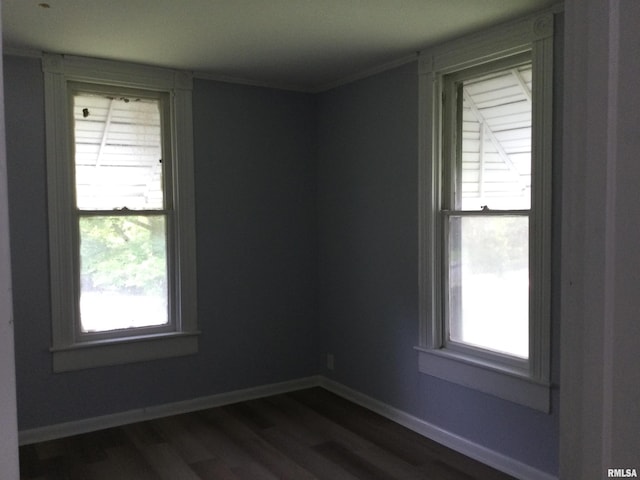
{"x": 121, "y": 214}
{"x": 485, "y": 199}
{"x": 485, "y": 207}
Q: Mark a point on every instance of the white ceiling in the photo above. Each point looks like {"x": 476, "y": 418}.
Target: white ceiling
{"x": 299, "y": 44}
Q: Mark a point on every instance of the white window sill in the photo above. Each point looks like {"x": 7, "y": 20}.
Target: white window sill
{"x": 119, "y": 351}
{"x": 487, "y": 378}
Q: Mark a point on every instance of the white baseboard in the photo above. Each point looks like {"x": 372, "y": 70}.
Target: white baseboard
{"x": 492, "y": 458}
{"x": 473, "y": 450}
{"x": 77, "y": 427}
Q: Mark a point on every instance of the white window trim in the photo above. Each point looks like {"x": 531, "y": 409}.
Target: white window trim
{"x": 68, "y": 352}
{"x": 529, "y": 386}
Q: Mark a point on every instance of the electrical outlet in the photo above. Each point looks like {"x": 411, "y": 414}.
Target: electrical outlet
{"x": 330, "y": 361}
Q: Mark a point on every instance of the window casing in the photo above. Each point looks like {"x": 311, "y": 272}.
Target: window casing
{"x": 465, "y": 229}
{"x": 120, "y": 189}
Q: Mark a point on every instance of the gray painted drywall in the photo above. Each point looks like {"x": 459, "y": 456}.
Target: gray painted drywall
{"x": 8, "y": 413}
{"x": 368, "y": 277}
{"x": 600, "y": 402}
{"x": 256, "y": 231}
{"x": 625, "y": 348}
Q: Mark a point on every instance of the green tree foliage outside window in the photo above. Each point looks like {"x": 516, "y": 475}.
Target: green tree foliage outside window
{"x": 124, "y": 254}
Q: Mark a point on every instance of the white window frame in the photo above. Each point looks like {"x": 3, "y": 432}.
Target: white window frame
{"x": 70, "y": 350}
{"x": 526, "y": 383}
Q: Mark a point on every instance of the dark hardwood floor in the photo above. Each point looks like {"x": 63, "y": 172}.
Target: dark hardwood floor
{"x": 309, "y": 434}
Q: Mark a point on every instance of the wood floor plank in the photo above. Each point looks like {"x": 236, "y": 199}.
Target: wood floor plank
{"x": 306, "y": 435}
{"x": 33, "y": 467}
{"x": 129, "y": 463}
{"x": 291, "y": 438}
{"x": 252, "y": 414}
{"x": 334, "y": 431}
{"x": 143, "y": 433}
{"x": 287, "y": 422}
{"x": 50, "y": 449}
{"x": 386, "y": 434}
{"x": 353, "y": 463}
{"x": 238, "y": 460}
{"x": 306, "y": 456}
{"x": 167, "y": 463}
{"x": 214, "y": 469}
{"x": 275, "y": 461}
{"x": 442, "y": 471}
{"x": 175, "y": 430}
{"x": 394, "y": 438}
{"x": 463, "y": 468}
{"x": 309, "y": 457}
{"x": 323, "y": 427}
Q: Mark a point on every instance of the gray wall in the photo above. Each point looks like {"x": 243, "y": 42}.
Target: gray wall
{"x": 600, "y": 401}
{"x": 256, "y": 237}
{"x": 368, "y": 268}
{"x": 8, "y": 417}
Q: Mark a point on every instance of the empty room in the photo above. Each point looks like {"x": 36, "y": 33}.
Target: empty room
{"x": 319, "y": 239}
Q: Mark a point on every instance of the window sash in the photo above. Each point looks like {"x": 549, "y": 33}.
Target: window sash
{"x": 170, "y": 326}
{"x": 80, "y": 335}
{"x": 166, "y": 137}
{"x": 451, "y": 300}
{"x": 452, "y": 127}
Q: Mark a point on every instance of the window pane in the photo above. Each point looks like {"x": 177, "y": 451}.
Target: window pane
{"x": 123, "y": 272}
{"x": 118, "y": 152}
{"x": 496, "y": 141}
{"x": 489, "y": 282}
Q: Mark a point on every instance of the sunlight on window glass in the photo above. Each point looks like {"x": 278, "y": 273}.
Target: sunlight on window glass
{"x": 123, "y": 272}
{"x": 118, "y": 152}
{"x": 496, "y": 140}
{"x": 489, "y": 283}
